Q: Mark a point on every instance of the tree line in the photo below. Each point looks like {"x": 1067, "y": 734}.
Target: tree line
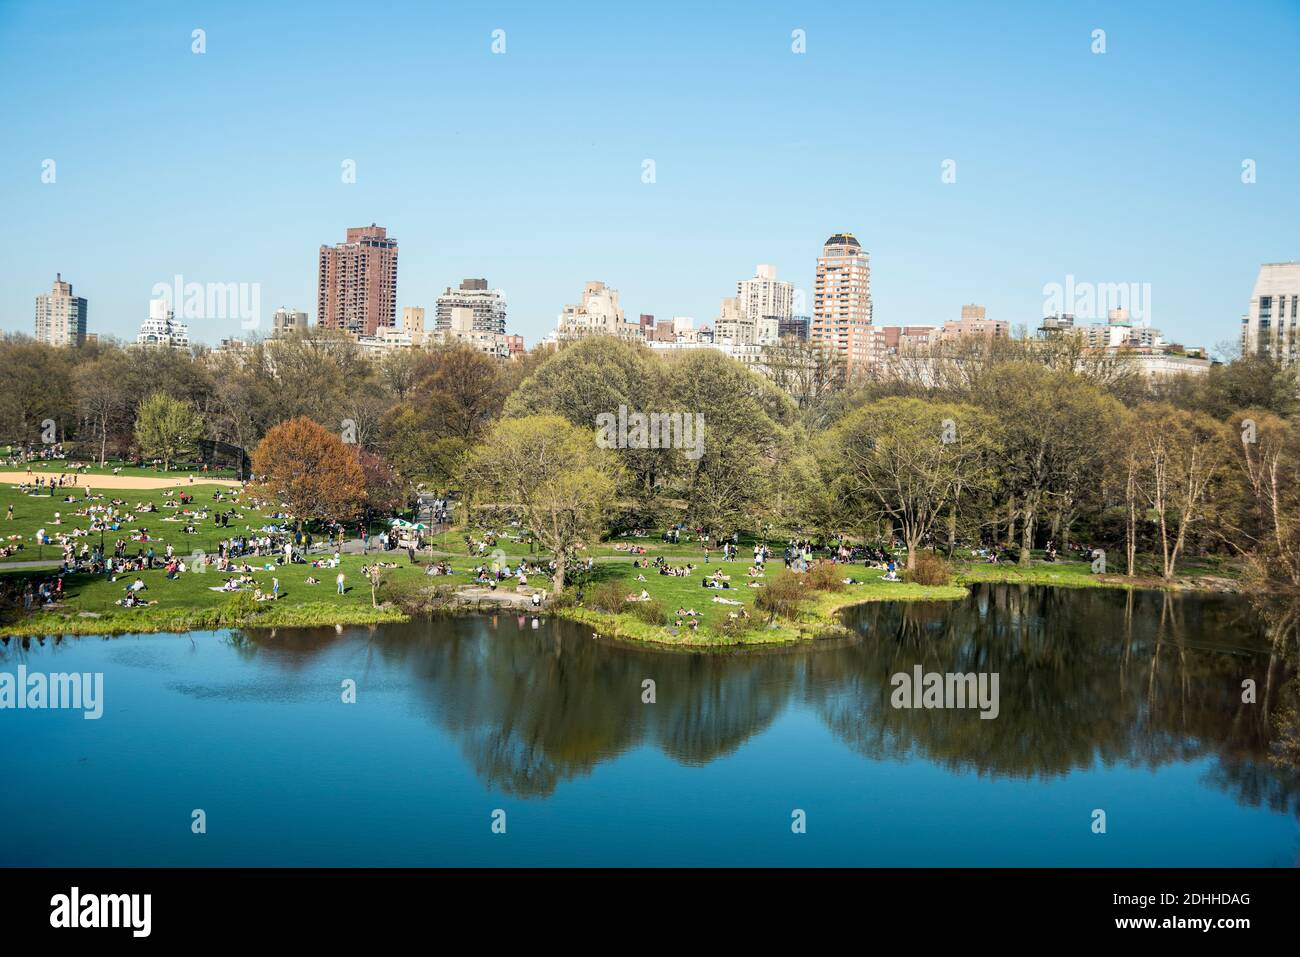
{"x": 1008, "y": 443}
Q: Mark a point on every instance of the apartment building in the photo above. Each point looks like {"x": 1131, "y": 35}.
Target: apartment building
{"x": 1269, "y": 327}
{"x": 357, "y": 282}
{"x": 60, "y": 316}
{"x": 488, "y": 306}
{"x": 842, "y": 311}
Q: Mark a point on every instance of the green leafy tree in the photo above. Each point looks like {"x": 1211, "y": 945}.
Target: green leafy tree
{"x": 166, "y": 428}
{"x": 552, "y": 475}
{"x": 908, "y": 462}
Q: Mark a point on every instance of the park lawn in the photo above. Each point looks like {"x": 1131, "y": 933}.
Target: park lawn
{"x": 1072, "y": 574}
{"x": 817, "y": 617}
{"x": 34, "y": 512}
{"x": 1062, "y": 573}
{"x": 88, "y": 604}
{"x": 56, "y": 467}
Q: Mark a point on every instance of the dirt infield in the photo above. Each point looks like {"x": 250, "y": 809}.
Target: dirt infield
{"x": 117, "y": 481}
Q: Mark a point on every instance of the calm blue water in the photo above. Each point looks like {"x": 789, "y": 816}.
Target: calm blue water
{"x": 1130, "y": 704}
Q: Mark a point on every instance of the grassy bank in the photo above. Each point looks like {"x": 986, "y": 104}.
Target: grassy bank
{"x": 193, "y": 601}
{"x": 1205, "y": 574}
{"x": 716, "y": 628}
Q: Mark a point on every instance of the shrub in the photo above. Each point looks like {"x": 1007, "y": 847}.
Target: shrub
{"x": 930, "y": 570}
{"x": 652, "y": 612}
{"x": 826, "y": 576}
{"x": 610, "y": 597}
{"x": 734, "y": 628}
{"x": 783, "y": 595}
{"x": 565, "y": 599}
{"x": 240, "y": 606}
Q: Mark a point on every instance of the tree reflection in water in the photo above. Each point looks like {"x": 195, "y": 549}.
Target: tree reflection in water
{"x": 1087, "y": 677}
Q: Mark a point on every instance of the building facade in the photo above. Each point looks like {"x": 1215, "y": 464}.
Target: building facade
{"x": 286, "y": 321}
{"x": 974, "y": 324}
{"x": 61, "y": 316}
{"x": 487, "y": 305}
{"x": 161, "y": 330}
{"x": 461, "y": 330}
{"x": 767, "y": 301}
{"x": 599, "y": 313}
{"x": 357, "y": 282}
{"x": 1269, "y": 327}
{"x": 795, "y": 327}
{"x": 734, "y": 325}
{"x": 842, "y": 311}
{"x": 413, "y": 322}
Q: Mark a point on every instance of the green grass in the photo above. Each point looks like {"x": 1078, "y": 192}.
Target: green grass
{"x": 57, "y": 466}
{"x": 1061, "y": 573}
{"x": 674, "y": 592}
{"x": 88, "y": 602}
{"x": 33, "y": 512}
{"x": 187, "y": 603}
{"x": 1071, "y": 574}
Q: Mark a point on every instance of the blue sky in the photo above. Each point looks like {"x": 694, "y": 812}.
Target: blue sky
{"x": 526, "y": 168}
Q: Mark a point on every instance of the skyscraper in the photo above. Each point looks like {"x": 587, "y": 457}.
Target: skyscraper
{"x": 1271, "y": 326}
{"x": 61, "y": 316}
{"x": 842, "y": 300}
{"x": 487, "y": 305}
{"x": 767, "y": 301}
{"x": 357, "y": 288}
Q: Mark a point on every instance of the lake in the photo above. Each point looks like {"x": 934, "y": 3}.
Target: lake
{"x": 1125, "y": 703}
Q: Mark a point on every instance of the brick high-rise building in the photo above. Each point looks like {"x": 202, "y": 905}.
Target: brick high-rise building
{"x": 357, "y": 289}
{"x": 842, "y": 300}
{"x": 61, "y": 316}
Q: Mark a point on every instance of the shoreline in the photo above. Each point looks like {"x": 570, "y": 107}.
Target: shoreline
{"x": 818, "y": 621}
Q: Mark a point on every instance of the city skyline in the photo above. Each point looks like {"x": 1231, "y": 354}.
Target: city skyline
{"x": 1122, "y": 167}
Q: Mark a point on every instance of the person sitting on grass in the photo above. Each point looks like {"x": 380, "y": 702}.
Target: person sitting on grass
{"x": 312, "y": 580}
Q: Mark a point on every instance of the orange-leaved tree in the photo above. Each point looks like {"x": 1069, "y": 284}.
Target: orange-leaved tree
{"x": 310, "y": 470}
